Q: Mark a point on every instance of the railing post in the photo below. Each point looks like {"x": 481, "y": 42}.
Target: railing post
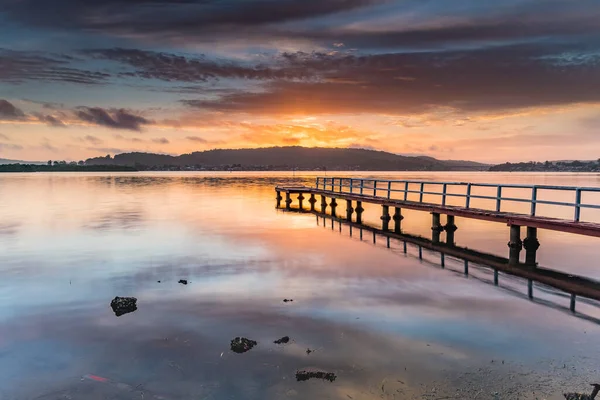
{"x": 341, "y": 181}
{"x": 533, "y": 200}
{"x": 317, "y": 186}
{"x": 577, "y": 204}
{"x": 499, "y": 199}
{"x": 389, "y": 189}
{"x": 332, "y": 184}
{"x": 444, "y": 194}
{"x": 405, "y": 191}
{"x": 421, "y": 192}
{"x": 468, "y": 201}
{"x": 374, "y": 187}
{"x": 351, "y": 184}
{"x": 362, "y": 186}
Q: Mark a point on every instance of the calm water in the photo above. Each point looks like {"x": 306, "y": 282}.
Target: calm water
{"x": 388, "y": 325}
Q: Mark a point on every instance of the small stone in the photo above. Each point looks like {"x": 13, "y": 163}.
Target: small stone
{"x": 241, "y": 345}
{"x": 306, "y": 375}
{"x": 123, "y": 305}
{"x": 287, "y": 300}
{"x": 283, "y": 340}
{"x": 308, "y": 351}
{"x": 183, "y": 281}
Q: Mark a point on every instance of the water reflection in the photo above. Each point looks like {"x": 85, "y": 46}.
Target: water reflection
{"x": 386, "y": 326}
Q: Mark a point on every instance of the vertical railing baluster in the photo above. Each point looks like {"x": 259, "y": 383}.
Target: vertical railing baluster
{"x": 351, "y": 184}
{"x": 318, "y": 182}
{"x": 421, "y": 192}
{"x": 341, "y": 180}
{"x": 468, "y": 201}
{"x": 374, "y": 187}
{"x": 362, "y": 186}
{"x": 389, "y": 189}
{"x": 577, "y": 204}
{"x": 533, "y": 200}
{"x": 405, "y": 190}
{"x": 332, "y": 184}
{"x": 444, "y": 190}
{"x": 499, "y": 199}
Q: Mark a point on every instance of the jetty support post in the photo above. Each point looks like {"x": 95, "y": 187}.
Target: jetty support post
{"x": 436, "y": 227}
{"x": 288, "y": 201}
{"x": 312, "y": 201}
{"x": 333, "y": 205}
{"x": 349, "y": 210}
{"x": 531, "y": 245}
{"x": 300, "y": 201}
{"x": 278, "y": 198}
{"x": 359, "y": 210}
{"x": 515, "y": 244}
{"x": 323, "y": 204}
{"x": 398, "y": 217}
{"x": 385, "y": 218}
{"x": 450, "y": 228}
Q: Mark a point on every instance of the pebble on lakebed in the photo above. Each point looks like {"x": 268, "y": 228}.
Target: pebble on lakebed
{"x": 241, "y": 345}
{"x": 283, "y": 340}
{"x": 306, "y": 375}
{"x": 123, "y": 305}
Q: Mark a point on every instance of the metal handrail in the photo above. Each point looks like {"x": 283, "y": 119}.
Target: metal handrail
{"x": 339, "y": 184}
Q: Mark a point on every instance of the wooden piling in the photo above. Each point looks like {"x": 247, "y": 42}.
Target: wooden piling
{"x": 515, "y": 244}
{"x": 385, "y": 218}
{"x": 398, "y": 220}
{"x": 359, "y": 210}
{"x": 531, "y": 245}
{"x": 436, "y": 227}
{"x": 349, "y": 210}
{"x": 450, "y": 228}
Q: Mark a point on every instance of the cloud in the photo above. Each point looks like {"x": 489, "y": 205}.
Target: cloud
{"x": 197, "y": 139}
{"x": 107, "y": 150}
{"x": 161, "y": 140}
{"x": 173, "y": 18}
{"x": 172, "y": 67}
{"x": 51, "y": 120}
{"x": 496, "y": 79}
{"x": 92, "y": 139}
{"x": 9, "y": 112}
{"x": 112, "y": 118}
{"x": 9, "y": 146}
{"x": 18, "y": 66}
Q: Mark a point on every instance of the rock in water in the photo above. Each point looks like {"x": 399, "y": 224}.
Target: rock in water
{"x": 123, "y": 305}
{"x": 183, "y": 281}
{"x": 306, "y": 375}
{"x": 287, "y": 300}
{"x": 241, "y": 345}
{"x": 283, "y": 340}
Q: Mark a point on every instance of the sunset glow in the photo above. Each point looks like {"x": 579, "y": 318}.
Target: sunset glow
{"x": 488, "y": 82}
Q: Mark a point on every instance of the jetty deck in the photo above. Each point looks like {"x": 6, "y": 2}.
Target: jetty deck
{"x": 434, "y": 198}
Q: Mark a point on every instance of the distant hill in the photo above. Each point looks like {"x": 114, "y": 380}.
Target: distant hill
{"x": 6, "y": 161}
{"x": 286, "y": 158}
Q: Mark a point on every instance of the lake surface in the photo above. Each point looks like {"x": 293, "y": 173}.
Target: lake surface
{"x": 389, "y": 325}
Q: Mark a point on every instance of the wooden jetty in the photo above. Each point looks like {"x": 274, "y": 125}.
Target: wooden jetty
{"x": 397, "y": 194}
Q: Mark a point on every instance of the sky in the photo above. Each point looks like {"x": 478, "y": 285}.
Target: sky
{"x": 513, "y": 80}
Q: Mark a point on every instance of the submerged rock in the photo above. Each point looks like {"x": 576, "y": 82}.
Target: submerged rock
{"x": 287, "y": 300}
{"x": 241, "y": 345}
{"x": 306, "y": 375}
{"x": 123, "y": 305}
{"x": 283, "y": 340}
{"x": 183, "y": 281}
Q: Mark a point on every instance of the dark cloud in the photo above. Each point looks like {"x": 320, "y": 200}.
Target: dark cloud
{"x": 51, "y": 120}
{"x": 171, "y": 67}
{"x": 500, "y": 78}
{"x": 175, "y": 18}
{"x": 9, "y": 112}
{"x": 112, "y": 118}
{"x": 18, "y": 67}
{"x": 197, "y": 139}
{"x": 161, "y": 140}
{"x": 107, "y": 150}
